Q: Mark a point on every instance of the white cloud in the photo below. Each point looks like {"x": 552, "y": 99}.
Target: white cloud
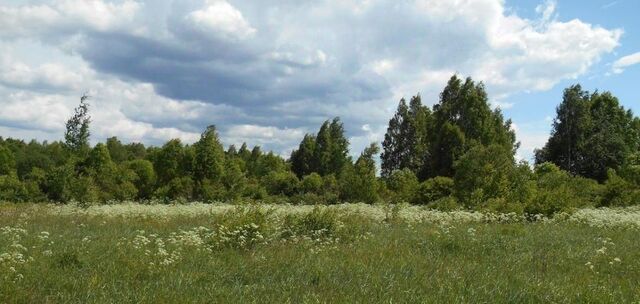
{"x": 64, "y": 17}
{"x": 220, "y": 17}
{"x": 621, "y": 64}
{"x": 46, "y": 76}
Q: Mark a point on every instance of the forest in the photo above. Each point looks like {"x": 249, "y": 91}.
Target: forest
{"x": 457, "y": 154}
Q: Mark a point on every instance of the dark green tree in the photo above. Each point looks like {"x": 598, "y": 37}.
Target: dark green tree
{"x": 302, "y": 158}
{"x": 396, "y": 142}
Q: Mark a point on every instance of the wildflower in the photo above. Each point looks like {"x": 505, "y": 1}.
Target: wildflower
{"x": 617, "y": 260}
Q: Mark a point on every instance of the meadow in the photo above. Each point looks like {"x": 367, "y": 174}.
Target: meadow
{"x": 346, "y": 253}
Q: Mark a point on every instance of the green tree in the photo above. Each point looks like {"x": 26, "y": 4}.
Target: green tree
{"x": 591, "y": 133}
{"x": 404, "y": 184}
{"x": 484, "y": 173}
{"x": 234, "y": 180}
{"x": 302, "y": 158}
{"x": 145, "y": 177}
{"x": 462, "y": 119}
{"x": 331, "y": 151}
{"x": 322, "y": 151}
{"x": 569, "y": 131}
{"x": 117, "y": 150}
{"x": 167, "y": 161}
{"x": 7, "y": 161}
{"x": 358, "y": 182}
{"x": 77, "y": 128}
{"x": 312, "y": 183}
{"x": 395, "y": 145}
{"x": 209, "y": 159}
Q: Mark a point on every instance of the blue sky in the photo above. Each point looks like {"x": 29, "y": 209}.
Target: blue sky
{"x": 267, "y": 72}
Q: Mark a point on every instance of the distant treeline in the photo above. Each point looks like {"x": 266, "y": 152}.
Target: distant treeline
{"x": 457, "y": 154}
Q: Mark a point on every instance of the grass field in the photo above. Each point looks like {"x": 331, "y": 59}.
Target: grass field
{"x": 201, "y": 253}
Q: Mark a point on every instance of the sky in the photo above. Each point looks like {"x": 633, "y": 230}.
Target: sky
{"x": 267, "y": 72}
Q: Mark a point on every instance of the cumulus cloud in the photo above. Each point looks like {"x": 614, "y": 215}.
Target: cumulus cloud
{"x": 621, "y": 64}
{"x": 66, "y": 17}
{"x": 219, "y": 17}
{"x": 269, "y": 71}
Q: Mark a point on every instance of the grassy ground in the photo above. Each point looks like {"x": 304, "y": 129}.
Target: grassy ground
{"x": 352, "y": 254}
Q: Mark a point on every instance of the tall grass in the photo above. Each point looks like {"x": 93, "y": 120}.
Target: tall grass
{"x": 345, "y": 253}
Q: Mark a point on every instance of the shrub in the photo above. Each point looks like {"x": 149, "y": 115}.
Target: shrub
{"x": 83, "y": 190}
{"x": 483, "y": 173}
{"x": 178, "y": 188}
{"x": 618, "y": 191}
{"x": 433, "y": 189}
{"x": 312, "y": 183}
{"x": 556, "y": 190}
{"x": 404, "y": 184}
{"x": 12, "y": 189}
{"x": 446, "y": 203}
{"x": 281, "y": 183}
{"x": 145, "y": 177}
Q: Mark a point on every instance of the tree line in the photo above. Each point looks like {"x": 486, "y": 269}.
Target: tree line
{"x": 459, "y": 153}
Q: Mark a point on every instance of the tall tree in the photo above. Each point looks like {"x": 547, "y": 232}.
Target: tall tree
{"x": 464, "y": 113}
{"x": 77, "y": 128}
{"x": 322, "y": 151}
{"x": 417, "y": 133}
{"x": 339, "y": 147}
{"x": 396, "y": 143}
{"x": 167, "y": 161}
{"x": 209, "y": 156}
{"x": 302, "y": 158}
{"x": 591, "y": 133}
{"x": 568, "y": 134}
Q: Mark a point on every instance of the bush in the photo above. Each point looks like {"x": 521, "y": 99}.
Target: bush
{"x": 12, "y": 189}
{"x": 312, "y": 183}
{"x": 83, "y": 190}
{"x": 483, "y": 173}
{"x": 254, "y": 190}
{"x": 403, "y": 183}
{"x": 618, "y": 191}
{"x": 281, "y": 183}
{"x": 145, "y": 177}
{"x": 445, "y": 204}
{"x": 433, "y": 189}
{"x": 178, "y": 188}
{"x": 556, "y": 190}
{"x": 317, "y": 223}
{"x": 502, "y": 205}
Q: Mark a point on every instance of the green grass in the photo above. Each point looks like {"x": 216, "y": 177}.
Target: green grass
{"x": 321, "y": 256}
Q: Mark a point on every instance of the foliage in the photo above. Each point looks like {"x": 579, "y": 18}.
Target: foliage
{"x": 209, "y": 156}
{"x": 281, "y": 183}
{"x": 77, "y": 128}
{"x": 433, "y": 190}
{"x": 7, "y": 161}
{"x": 358, "y": 182}
{"x": 403, "y": 184}
{"x": 591, "y": 133}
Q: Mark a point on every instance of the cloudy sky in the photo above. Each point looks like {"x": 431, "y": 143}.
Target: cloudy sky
{"x": 268, "y": 71}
